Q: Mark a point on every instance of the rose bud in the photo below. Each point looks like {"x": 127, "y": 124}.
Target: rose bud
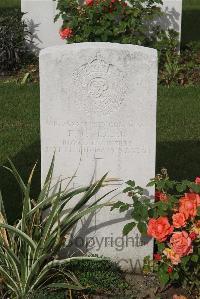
{"x": 157, "y": 257}
{"x": 193, "y": 236}
{"x": 169, "y": 269}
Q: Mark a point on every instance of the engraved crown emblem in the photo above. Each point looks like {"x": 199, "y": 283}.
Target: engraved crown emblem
{"x": 99, "y": 85}
{"x": 98, "y": 66}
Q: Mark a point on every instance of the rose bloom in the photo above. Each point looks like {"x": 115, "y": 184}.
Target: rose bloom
{"x": 66, "y": 33}
{"x": 179, "y": 220}
{"x": 172, "y": 256}
{"x": 89, "y": 2}
{"x": 188, "y": 205}
{"x": 157, "y": 257}
{"x": 159, "y": 228}
{"x": 197, "y": 180}
{"x": 193, "y": 196}
{"x": 169, "y": 269}
{"x": 193, "y": 236}
{"x": 181, "y": 243}
{"x": 161, "y": 196}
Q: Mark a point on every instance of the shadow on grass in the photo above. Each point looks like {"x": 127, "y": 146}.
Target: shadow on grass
{"x": 182, "y": 159}
{"x": 190, "y": 26}
{"x": 24, "y": 162}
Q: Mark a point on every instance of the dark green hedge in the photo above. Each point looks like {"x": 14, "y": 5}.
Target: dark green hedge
{"x": 13, "y": 34}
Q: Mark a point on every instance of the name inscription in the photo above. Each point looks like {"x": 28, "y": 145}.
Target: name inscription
{"x": 95, "y": 137}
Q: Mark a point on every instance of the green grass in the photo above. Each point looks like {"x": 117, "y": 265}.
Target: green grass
{"x": 191, "y": 4}
{"x": 178, "y": 131}
{"x": 178, "y": 135}
{"x": 19, "y": 127}
{"x": 10, "y": 3}
{"x": 190, "y": 21}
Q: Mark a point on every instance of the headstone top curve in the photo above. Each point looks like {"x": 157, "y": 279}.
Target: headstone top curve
{"x": 98, "y": 45}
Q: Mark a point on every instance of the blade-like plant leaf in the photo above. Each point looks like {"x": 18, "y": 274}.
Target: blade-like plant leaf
{"x": 17, "y": 176}
{"x": 88, "y": 194}
{"x": 2, "y": 209}
{"x": 29, "y": 250}
{"x": 21, "y": 234}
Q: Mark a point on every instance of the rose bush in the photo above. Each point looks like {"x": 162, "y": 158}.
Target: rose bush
{"x": 173, "y": 220}
{"x": 119, "y": 21}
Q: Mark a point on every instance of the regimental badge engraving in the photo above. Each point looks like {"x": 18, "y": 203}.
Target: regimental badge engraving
{"x": 100, "y": 86}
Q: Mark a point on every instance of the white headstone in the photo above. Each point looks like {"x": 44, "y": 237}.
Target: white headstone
{"x": 40, "y": 18}
{"x": 173, "y": 15}
{"x": 98, "y": 104}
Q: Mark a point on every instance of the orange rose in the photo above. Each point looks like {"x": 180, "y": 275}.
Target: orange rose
{"x": 193, "y": 196}
{"x": 178, "y": 220}
{"x": 181, "y": 243}
{"x": 172, "y": 256}
{"x": 159, "y": 228}
{"x": 188, "y": 205}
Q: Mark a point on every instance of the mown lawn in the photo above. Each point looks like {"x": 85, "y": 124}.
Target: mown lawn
{"x": 19, "y": 138}
{"x": 10, "y": 3}
{"x": 178, "y": 134}
{"x": 190, "y": 21}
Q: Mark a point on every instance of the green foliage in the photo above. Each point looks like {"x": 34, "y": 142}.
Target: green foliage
{"x": 13, "y": 35}
{"x": 49, "y": 295}
{"x": 100, "y": 275}
{"x": 181, "y": 68}
{"x": 96, "y": 276}
{"x": 29, "y": 249}
{"x": 10, "y": 3}
{"x": 117, "y": 22}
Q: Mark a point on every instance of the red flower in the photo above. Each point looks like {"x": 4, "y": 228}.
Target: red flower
{"x": 169, "y": 269}
{"x": 159, "y": 228}
{"x": 89, "y": 2}
{"x": 66, "y": 33}
{"x": 160, "y": 196}
{"x": 193, "y": 236}
{"x": 157, "y": 257}
{"x": 197, "y": 180}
